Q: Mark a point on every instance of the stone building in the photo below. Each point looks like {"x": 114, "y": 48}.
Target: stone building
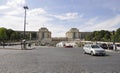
{"x": 73, "y": 34}
{"x": 56, "y": 40}
{"x": 44, "y": 36}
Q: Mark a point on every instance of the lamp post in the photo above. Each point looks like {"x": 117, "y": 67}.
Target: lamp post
{"x": 24, "y": 35}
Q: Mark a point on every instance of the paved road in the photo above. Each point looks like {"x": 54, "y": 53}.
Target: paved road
{"x": 57, "y": 60}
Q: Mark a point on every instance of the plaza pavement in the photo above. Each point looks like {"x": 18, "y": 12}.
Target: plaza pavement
{"x": 57, "y": 60}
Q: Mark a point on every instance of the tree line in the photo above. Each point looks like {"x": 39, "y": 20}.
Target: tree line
{"x": 104, "y": 35}
{"x": 9, "y": 35}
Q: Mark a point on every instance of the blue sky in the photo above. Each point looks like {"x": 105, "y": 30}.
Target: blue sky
{"x": 61, "y": 15}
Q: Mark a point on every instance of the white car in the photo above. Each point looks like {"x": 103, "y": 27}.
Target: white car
{"x": 118, "y": 46}
{"x": 93, "y": 49}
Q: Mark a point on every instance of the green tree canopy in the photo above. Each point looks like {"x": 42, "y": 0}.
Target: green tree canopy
{"x": 117, "y": 35}
{"x": 3, "y": 34}
{"x": 102, "y": 35}
{"x": 9, "y": 32}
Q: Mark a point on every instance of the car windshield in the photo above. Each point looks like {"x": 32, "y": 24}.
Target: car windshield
{"x": 95, "y": 46}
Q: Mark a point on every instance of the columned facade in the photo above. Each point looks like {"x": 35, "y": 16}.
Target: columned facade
{"x": 44, "y": 33}
{"x": 44, "y": 36}
{"x": 73, "y": 33}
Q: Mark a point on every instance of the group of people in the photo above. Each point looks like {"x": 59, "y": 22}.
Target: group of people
{"x": 24, "y": 45}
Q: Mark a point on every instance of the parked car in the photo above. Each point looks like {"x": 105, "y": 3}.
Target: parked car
{"x": 69, "y": 46}
{"x": 110, "y": 46}
{"x": 104, "y": 46}
{"x": 118, "y": 46}
{"x": 93, "y": 49}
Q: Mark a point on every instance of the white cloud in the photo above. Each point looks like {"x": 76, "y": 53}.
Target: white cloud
{"x": 108, "y": 24}
{"x": 12, "y": 7}
{"x": 13, "y": 16}
{"x": 2, "y": 7}
{"x": 15, "y": 3}
{"x": 37, "y": 11}
{"x": 14, "y": 12}
{"x": 91, "y": 21}
{"x": 36, "y": 22}
{"x": 67, "y": 16}
{"x": 11, "y": 22}
{"x": 8, "y": 12}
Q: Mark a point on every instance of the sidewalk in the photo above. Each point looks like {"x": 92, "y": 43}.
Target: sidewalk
{"x": 16, "y": 47}
{"x": 118, "y": 51}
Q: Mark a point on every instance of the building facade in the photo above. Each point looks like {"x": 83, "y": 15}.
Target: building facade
{"x": 44, "y": 33}
{"x": 73, "y": 33}
{"x": 43, "y": 36}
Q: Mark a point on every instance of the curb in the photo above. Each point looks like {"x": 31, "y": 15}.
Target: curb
{"x": 112, "y": 51}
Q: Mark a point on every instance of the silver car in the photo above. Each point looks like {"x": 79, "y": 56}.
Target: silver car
{"x": 93, "y": 49}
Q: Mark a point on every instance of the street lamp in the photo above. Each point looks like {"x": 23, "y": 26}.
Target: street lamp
{"x": 24, "y": 36}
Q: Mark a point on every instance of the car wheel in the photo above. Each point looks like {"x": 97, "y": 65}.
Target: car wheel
{"x": 92, "y": 53}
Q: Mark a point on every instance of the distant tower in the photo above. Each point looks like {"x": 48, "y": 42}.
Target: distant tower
{"x": 73, "y": 33}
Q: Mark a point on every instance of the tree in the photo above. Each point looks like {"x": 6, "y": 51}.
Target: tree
{"x": 15, "y": 36}
{"x": 88, "y": 37}
{"x": 96, "y": 36}
{"x": 107, "y": 36}
{"x": 3, "y": 35}
{"x": 9, "y": 32}
{"x": 99, "y": 36}
{"x": 117, "y": 35}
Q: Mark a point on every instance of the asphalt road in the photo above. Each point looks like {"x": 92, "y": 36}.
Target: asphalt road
{"x": 57, "y": 60}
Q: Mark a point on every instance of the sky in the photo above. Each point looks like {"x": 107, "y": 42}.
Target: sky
{"x": 59, "y": 16}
